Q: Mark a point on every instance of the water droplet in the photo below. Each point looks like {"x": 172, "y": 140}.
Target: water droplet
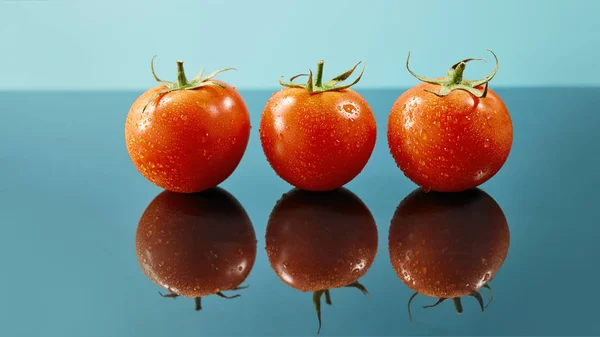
{"x": 240, "y": 268}
{"x": 423, "y": 134}
{"x": 234, "y": 140}
{"x": 421, "y": 162}
{"x": 161, "y": 263}
{"x": 425, "y": 189}
{"x": 486, "y": 143}
{"x": 280, "y": 135}
{"x": 483, "y": 260}
{"x": 350, "y": 108}
{"x": 183, "y": 117}
{"x": 355, "y": 271}
{"x": 284, "y": 265}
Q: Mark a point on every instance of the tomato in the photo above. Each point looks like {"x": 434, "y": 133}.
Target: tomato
{"x": 318, "y": 241}
{"x": 195, "y": 245}
{"x": 188, "y": 136}
{"x": 318, "y": 136}
{"x": 448, "y": 245}
{"x": 447, "y": 135}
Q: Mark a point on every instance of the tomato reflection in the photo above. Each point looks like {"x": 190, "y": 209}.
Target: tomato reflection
{"x": 195, "y": 245}
{"x": 317, "y": 241}
{"x": 448, "y": 245}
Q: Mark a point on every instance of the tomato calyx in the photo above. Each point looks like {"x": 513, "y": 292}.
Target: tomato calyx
{"x": 318, "y": 86}
{"x": 183, "y": 83}
{"x": 457, "y": 301}
{"x": 198, "y": 300}
{"x": 319, "y": 293}
{"x": 454, "y": 79}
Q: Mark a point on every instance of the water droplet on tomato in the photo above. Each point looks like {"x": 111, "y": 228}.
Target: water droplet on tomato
{"x": 284, "y": 265}
{"x": 350, "y": 108}
{"x": 486, "y": 143}
{"x": 183, "y": 117}
{"x": 426, "y": 189}
{"x": 423, "y": 134}
{"x": 233, "y": 140}
{"x": 240, "y": 268}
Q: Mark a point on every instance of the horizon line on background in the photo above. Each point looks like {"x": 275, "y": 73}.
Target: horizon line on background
{"x": 275, "y": 89}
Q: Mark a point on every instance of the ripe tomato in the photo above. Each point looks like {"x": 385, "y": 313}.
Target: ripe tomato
{"x": 195, "y": 245}
{"x": 188, "y": 136}
{"x": 448, "y": 245}
{"x": 318, "y": 136}
{"x": 448, "y": 136}
{"x": 321, "y": 241}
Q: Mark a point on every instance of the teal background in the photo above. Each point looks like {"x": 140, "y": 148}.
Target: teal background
{"x": 107, "y": 45}
{"x": 70, "y": 198}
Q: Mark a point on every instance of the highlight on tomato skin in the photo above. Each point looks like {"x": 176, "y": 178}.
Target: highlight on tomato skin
{"x": 450, "y": 134}
{"x": 318, "y": 241}
{"x": 320, "y": 135}
{"x": 190, "y": 135}
{"x": 448, "y": 245}
{"x": 196, "y": 245}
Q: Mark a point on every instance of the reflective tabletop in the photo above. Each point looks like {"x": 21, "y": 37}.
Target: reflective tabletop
{"x": 79, "y": 222}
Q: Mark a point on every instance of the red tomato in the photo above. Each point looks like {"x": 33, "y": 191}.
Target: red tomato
{"x": 188, "y": 136}
{"x": 453, "y": 142}
{"x": 318, "y": 136}
{"x": 448, "y": 245}
{"x": 195, "y": 245}
{"x": 321, "y": 241}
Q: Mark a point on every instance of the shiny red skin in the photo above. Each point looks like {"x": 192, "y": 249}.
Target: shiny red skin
{"x": 188, "y": 140}
{"x": 196, "y": 244}
{"x": 448, "y": 245}
{"x": 451, "y": 143}
{"x": 318, "y": 141}
{"x": 317, "y": 241}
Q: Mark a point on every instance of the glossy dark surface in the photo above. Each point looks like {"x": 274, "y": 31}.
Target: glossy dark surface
{"x": 70, "y": 202}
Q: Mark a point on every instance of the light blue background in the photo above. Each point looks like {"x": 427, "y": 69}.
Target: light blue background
{"x": 83, "y": 45}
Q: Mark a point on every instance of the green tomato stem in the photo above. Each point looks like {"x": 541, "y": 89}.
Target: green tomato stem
{"x": 319, "y": 77}
{"x": 457, "y": 75}
{"x": 181, "y": 79}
